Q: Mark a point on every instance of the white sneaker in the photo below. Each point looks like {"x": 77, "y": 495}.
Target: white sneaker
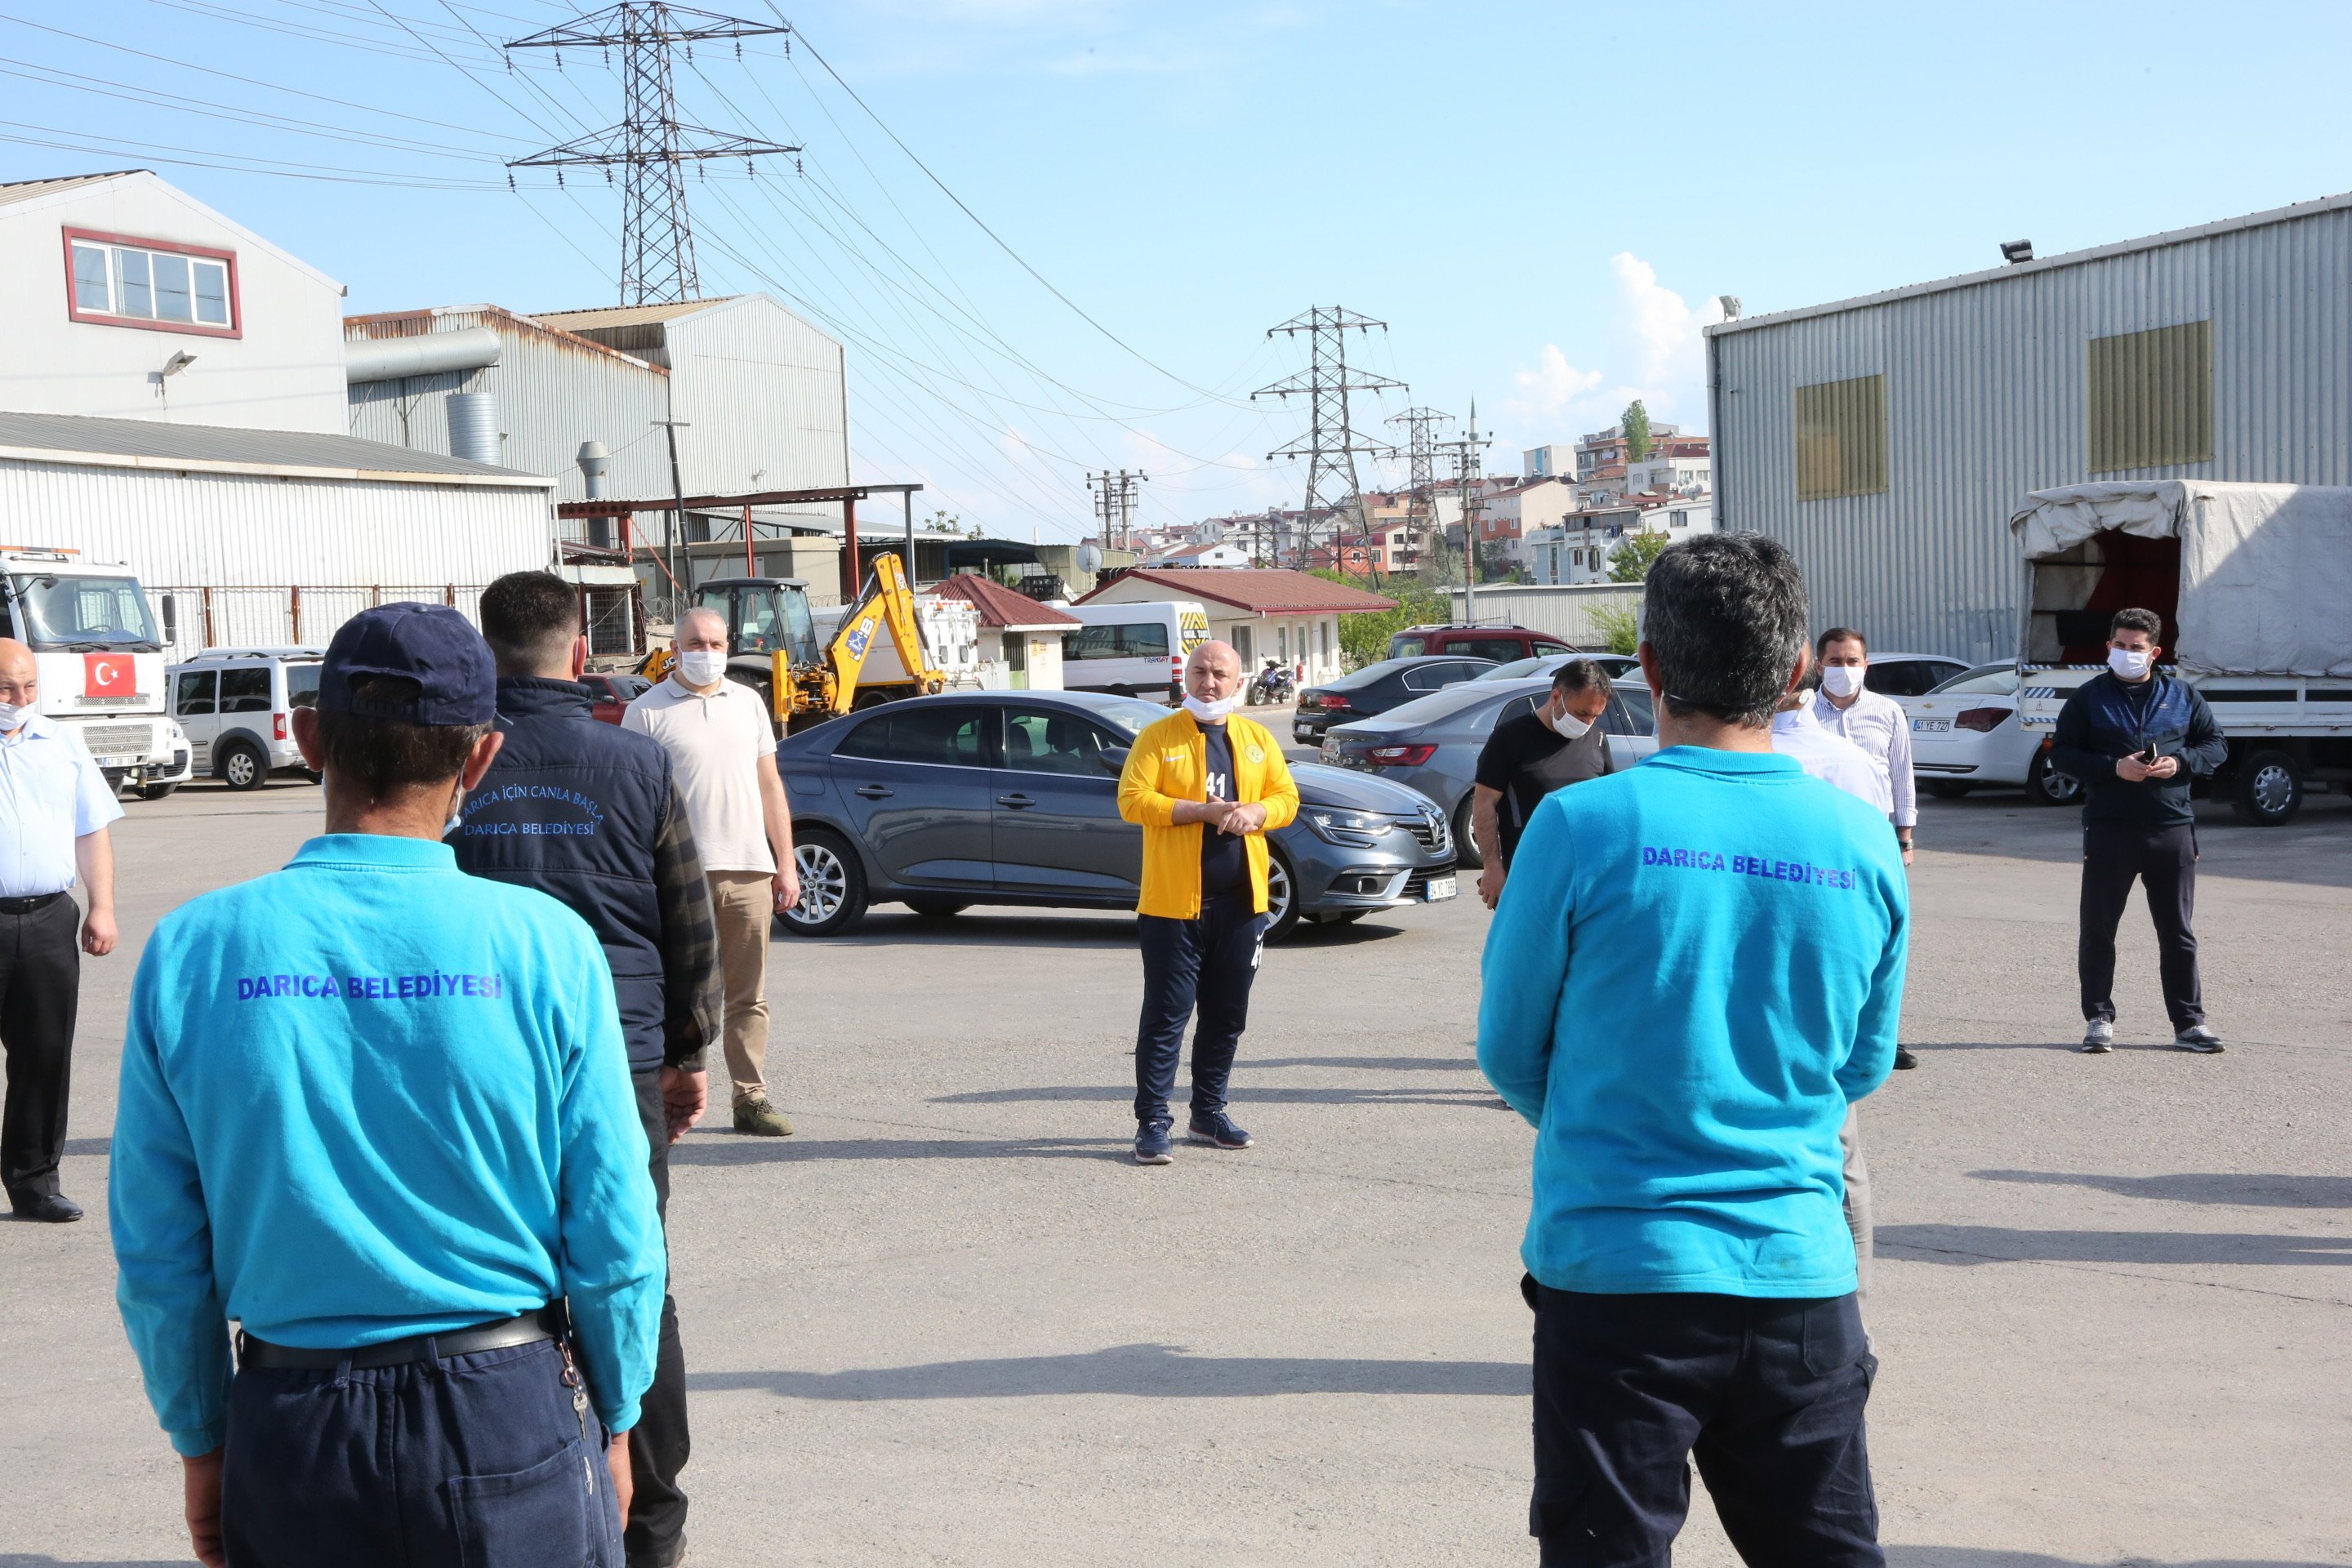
{"x": 2098, "y": 1038}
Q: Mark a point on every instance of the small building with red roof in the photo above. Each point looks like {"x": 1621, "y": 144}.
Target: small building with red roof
{"x": 1020, "y": 638}
{"x": 1292, "y": 617}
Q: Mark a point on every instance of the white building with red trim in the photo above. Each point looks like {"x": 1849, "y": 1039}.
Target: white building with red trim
{"x": 1289, "y": 617}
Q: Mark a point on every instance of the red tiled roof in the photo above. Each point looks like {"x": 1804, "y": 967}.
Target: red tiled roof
{"x": 1261, "y": 591}
{"x": 1000, "y": 606}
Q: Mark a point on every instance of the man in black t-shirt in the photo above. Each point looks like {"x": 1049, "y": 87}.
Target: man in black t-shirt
{"x": 1527, "y": 758}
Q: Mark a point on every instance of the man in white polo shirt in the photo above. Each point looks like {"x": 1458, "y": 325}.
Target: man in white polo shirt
{"x": 722, "y": 750}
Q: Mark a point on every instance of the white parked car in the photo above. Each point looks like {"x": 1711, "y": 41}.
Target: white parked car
{"x": 1966, "y": 732}
{"x": 237, "y": 705}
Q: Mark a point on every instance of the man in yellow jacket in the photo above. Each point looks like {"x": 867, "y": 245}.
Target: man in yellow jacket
{"x": 1206, "y": 786}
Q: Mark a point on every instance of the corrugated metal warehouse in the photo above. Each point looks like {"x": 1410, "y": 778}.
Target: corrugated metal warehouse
{"x": 1886, "y": 439}
{"x": 266, "y": 536}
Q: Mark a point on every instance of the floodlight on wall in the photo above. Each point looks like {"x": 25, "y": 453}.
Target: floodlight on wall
{"x": 2016, "y": 250}
{"x": 178, "y": 363}
{"x": 1731, "y": 303}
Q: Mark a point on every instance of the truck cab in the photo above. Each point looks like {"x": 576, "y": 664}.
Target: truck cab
{"x": 100, "y": 660}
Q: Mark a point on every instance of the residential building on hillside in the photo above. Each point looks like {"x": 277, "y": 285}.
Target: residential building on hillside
{"x": 1578, "y": 549}
{"x": 1604, "y": 448}
{"x": 1513, "y": 508}
{"x": 1217, "y": 553}
{"x": 1548, "y": 461}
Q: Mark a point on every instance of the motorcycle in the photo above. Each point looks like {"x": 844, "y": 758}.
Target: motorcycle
{"x": 1273, "y": 685}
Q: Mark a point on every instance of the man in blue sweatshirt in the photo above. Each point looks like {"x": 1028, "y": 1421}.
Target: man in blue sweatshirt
{"x": 1696, "y": 968}
{"x": 379, "y": 1112}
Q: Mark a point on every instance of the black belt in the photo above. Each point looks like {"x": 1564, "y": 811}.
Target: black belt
{"x": 529, "y": 1329}
{"x": 26, "y": 906}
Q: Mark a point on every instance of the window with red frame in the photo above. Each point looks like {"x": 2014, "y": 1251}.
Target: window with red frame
{"x": 129, "y": 282}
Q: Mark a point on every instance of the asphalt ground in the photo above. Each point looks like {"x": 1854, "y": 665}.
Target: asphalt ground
{"x": 949, "y": 1323}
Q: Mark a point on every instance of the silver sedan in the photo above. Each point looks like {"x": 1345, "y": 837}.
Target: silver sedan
{"x": 1431, "y": 744}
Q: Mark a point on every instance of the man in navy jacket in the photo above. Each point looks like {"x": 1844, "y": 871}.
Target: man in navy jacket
{"x": 586, "y": 812}
{"x": 2135, "y": 736}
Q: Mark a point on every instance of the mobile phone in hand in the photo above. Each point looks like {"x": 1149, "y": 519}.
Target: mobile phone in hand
{"x": 2147, "y": 754}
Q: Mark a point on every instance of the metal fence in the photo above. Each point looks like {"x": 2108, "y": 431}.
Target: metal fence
{"x": 296, "y": 615}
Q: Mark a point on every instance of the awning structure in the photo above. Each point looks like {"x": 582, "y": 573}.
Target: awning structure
{"x": 989, "y": 553}
{"x": 625, "y": 511}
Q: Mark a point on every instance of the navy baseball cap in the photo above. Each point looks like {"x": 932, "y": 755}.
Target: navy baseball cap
{"x": 431, "y": 645}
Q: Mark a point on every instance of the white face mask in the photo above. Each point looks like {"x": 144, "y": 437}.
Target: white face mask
{"x": 12, "y": 715}
{"x": 2130, "y": 663}
{"x": 1843, "y": 681}
{"x": 1209, "y": 712}
{"x": 702, "y": 666}
{"x": 1565, "y": 724}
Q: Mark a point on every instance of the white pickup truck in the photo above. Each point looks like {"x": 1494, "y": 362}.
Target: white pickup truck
{"x": 2254, "y": 584}
{"x": 101, "y": 662}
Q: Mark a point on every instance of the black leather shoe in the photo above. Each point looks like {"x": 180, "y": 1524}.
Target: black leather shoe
{"x": 1904, "y": 1060}
{"x": 50, "y": 1210}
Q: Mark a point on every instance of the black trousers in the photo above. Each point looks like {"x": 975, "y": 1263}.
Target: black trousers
{"x": 40, "y": 988}
{"x": 659, "y": 1443}
{"x": 480, "y": 1458}
{"x": 2164, "y": 861}
{"x": 1206, "y": 964}
{"x": 1767, "y": 1396}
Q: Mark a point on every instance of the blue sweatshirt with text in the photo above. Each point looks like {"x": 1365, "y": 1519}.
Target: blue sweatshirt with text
{"x": 1695, "y": 965}
{"x": 367, "y": 1097}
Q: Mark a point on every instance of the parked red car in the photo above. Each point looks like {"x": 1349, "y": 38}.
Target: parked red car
{"x": 1501, "y": 644}
{"x": 614, "y": 692}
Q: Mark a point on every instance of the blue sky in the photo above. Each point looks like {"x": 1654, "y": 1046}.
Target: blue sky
{"x": 1540, "y": 200}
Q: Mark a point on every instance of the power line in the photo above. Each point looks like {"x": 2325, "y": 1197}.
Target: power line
{"x": 1331, "y": 443}
{"x": 650, "y": 144}
{"x": 1115, "y": 497}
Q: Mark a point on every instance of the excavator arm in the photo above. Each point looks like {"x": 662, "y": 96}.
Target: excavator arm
{"x": 887, "y": 604}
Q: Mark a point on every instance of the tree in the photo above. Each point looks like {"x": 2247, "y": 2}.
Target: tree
{"x": 1619, "y": 626}
{"x": 1636, "y": 423}
{"x": 1364, "y": 635}
{"x": 1630, "y": 561}
{"x": 1440, "y": 563}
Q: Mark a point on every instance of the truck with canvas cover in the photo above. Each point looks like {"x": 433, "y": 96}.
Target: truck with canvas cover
{"x": 2253, "y": 582}
{"x": 100, "y": 658}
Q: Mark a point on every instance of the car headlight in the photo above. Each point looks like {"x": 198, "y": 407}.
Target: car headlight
{"x": 1353, "y": 828}
{"x": 173, "y": 728}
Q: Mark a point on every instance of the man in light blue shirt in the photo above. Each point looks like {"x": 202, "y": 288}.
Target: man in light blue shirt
{"x": 1696, "y": 968}
{"x": 379, "y": 1112}
{"x": 54, "y": 808}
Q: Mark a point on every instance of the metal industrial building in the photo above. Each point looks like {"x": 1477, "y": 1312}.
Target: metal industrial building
{"x": 1886, "y": 439}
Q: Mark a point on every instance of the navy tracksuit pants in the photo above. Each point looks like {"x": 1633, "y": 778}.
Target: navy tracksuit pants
{"x": 2163, "y": 860}
{"x": 1767, "y": 1396}
{"x": 435, "y": 1464}
{"x": 1207, "y": 966}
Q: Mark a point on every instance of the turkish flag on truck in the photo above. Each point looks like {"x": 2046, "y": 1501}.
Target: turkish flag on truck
{"x": 109, "y": 675}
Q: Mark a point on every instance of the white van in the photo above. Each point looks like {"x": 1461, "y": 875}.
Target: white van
{"x": 1136, "y": 650}
{"x": 238, "y": 706}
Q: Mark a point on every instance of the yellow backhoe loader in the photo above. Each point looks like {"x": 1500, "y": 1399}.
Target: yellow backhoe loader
{"x": 773, "y": 648}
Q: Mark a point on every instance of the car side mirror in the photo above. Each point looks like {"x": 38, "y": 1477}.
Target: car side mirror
{"x": 1113, "y": 759}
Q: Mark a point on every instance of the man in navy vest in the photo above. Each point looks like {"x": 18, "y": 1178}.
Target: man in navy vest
{"x": 2135, "y": 736}
{"x": 586, "y": 813}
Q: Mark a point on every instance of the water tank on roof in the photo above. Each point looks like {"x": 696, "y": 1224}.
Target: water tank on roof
{"x": 473, "y": 426}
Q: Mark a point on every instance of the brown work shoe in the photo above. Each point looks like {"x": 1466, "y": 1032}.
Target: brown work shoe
{"x": 761, "y": 1120}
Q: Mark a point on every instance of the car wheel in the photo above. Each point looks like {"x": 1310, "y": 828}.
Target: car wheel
{"x": 938, "y": 908}
{"x": 156, "y": 791}
{"x": 1281, "y": 897}
{"x": 2270, "y": 789}
{"x": 1948, "y": 789}
{"x": 241, "y": 766}
{"x": 833, "y": 885}
{"x": 2045, "y": 785}
{"x": 1465, "y": 853}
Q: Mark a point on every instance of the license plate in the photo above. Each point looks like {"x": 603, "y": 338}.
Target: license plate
{"x": 1932, "y": 726}
{"x": 1439, "y": 887}
{"x": 115, "y": 762}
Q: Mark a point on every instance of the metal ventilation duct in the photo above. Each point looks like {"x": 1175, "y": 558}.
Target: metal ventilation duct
{"x": 473, "y": 426}
{"x": 390, "y": 359}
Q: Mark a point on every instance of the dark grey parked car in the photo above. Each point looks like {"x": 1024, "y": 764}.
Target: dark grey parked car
{"x": 1376, "y": 689}
{"x": 1011, "y": 798}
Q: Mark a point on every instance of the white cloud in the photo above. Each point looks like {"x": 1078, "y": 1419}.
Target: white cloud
{"x": 1654, "y": 350}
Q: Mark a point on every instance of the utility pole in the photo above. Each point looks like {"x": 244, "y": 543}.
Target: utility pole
{"x": 677, "y": 584}
{"x": 1468, "y": 461}
{"x": 1420, "y": 426}
{"x": 1115, "y": 500}
{"x": 1331, "y": 444}
{"x": 651, "y": 145}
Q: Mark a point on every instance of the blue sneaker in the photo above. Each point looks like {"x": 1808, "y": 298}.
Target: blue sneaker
{"x": 1217, "y": 1128}
{"x": 1151, "y": 1143}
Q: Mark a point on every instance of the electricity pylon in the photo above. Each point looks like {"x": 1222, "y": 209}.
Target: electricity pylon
{"x": 1331, "y": 443}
